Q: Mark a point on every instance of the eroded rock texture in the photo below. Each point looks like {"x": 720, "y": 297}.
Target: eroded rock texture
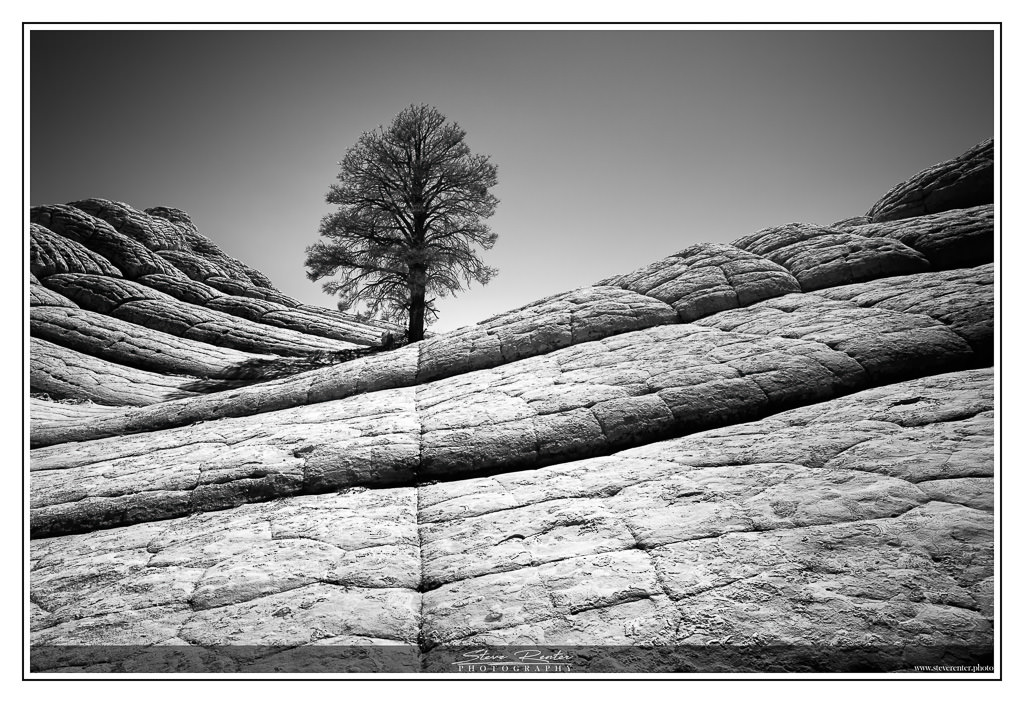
{"x": 949, "y": 240}
{"x": 962, "y": 182}
{"x": 774, "y": 455}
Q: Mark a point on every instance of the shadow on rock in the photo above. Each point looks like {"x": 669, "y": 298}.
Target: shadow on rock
{"x": 261, "y": 370}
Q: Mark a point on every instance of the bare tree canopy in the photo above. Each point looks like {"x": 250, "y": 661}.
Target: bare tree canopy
{"x": 412, "y": 203}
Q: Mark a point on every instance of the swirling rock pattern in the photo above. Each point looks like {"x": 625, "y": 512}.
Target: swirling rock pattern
{"x": 771, "y": 455}
{"x": 64, "y": 373}
{"x": 51, "y": 254}
{"x": 100, "y": 240}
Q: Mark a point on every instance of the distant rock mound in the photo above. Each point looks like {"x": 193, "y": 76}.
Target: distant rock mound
{"x": 770, "y": 455}
{"x": 963, "y": 182}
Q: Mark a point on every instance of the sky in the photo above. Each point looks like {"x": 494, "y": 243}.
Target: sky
{"x": 614, "y": 148}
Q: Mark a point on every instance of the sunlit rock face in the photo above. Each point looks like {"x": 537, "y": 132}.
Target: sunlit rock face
{"x": 770, "y": 455}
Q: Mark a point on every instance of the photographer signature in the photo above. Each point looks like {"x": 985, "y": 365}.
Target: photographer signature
{"x": 522, "y": 656}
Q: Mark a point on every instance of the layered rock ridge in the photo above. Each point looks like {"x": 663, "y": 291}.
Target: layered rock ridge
{"x": 731, "y": 455}
{"x": 124, "y": 299}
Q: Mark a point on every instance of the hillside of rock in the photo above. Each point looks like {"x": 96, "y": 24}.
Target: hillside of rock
{"x": 770, "y": 455}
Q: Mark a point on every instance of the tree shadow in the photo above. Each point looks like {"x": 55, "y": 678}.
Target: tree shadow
{"x": 256, "y": 371}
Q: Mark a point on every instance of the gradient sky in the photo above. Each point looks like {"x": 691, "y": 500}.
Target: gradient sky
{"x": 614, "y": 148}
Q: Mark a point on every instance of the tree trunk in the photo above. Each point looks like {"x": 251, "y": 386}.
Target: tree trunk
{"x": 417, "y": 302}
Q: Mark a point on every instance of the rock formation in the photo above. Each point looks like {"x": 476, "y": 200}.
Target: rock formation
{"x": 770, "y": 455}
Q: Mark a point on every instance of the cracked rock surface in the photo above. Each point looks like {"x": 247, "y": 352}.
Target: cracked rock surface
{"x": 771, "y": 455}
{"x": 949, "y": 240}
{"x": 870, "y": 514}
{"x": 961, "y": 182}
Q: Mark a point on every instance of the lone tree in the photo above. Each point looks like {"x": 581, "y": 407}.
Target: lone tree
{"x": 413, "y": 200}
